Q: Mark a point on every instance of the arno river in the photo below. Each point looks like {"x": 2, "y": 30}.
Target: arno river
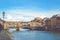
{"x": 36, "y": 35}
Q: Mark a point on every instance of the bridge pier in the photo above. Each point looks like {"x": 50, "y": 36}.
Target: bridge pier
{"x": 17, "y": 29}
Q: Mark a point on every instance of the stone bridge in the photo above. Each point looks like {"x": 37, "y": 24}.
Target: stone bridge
{"x": 18, "y": 25}
{"x": 12, "y": 25}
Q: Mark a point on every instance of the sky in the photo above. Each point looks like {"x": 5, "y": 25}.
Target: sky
{"x": 27, "y": 10}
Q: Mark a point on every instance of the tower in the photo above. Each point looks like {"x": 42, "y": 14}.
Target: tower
{"x": 3, "y": 18}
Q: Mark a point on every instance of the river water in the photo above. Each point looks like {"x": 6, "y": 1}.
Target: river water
{"x": 36, "y": 35}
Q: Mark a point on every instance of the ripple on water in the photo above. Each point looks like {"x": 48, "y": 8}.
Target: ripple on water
{"x": 36, "y": 35}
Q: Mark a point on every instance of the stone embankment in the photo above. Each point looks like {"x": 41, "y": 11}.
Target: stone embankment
{"x": 5, "y": 35}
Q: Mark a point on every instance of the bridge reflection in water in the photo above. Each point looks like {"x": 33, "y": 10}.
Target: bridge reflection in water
{"x": 14, "y": 29}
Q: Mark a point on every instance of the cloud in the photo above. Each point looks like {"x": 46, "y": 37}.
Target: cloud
{"x": 9, "y": 17}
{"x": 27, "y": 15}
{"x": 18, "y": 18}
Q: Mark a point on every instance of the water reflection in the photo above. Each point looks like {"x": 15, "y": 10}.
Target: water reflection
{"x": 36, "y": 35}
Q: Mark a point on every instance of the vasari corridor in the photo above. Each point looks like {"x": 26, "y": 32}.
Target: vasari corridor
{"x": 29, "y": 19}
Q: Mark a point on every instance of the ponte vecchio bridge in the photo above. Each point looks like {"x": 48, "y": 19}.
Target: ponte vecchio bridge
{"x": 16, "y": 25}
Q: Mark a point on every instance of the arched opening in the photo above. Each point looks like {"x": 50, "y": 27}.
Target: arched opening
{"x": 1, "y": 27}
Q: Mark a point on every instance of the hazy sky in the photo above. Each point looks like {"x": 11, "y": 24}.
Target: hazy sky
{"x": 26, "y": 10}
